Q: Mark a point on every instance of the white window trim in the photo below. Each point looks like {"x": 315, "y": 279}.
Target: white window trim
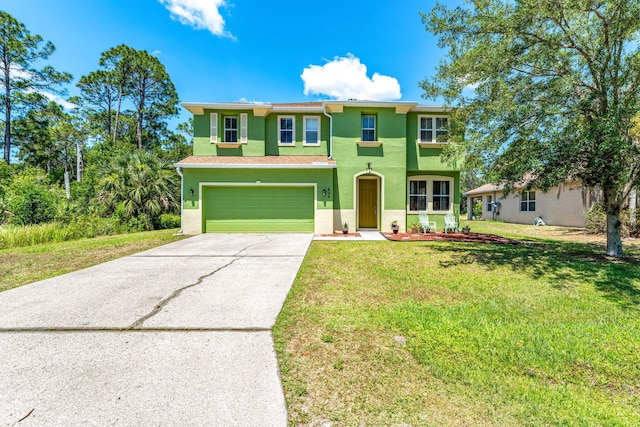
{"x": 293, "y": 130}
{"x": 237, "y": 129}
{"x": 430, "y": 179}
{"x": 304, "y": 131}
{"x": 243, "y": 131}
{"x": 449, "y": 195}
{"x": 528, "y": 201}
{"x": 375, "y": 131}
{"x": 213, "y": 117}
{"x": 434, "y": 140}
{"x": 489, "y": 203}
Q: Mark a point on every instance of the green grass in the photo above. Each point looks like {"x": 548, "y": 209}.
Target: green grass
{"x": 440, "y": 333}
{"x": 22, "y": 265}
{"x": 51, "y": 232}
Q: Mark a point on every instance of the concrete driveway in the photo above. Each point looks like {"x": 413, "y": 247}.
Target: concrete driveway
{"x": 177, "y": 335}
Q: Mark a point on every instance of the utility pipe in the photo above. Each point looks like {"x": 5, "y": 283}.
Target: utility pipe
{"x": 324, "y": 110}
{"x": 179, "y": 170}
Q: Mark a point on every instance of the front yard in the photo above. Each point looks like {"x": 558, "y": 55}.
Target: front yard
{"x": 442, "y": 333}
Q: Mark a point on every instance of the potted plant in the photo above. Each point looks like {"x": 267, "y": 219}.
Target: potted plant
{"x": 394, "y": 226}
{"x": 415, "y": 228}
{"x": 466, "y": 229}
{"x": 345, "y": 228}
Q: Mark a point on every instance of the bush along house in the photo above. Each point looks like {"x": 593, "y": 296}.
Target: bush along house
{"x": 313, "y": 166}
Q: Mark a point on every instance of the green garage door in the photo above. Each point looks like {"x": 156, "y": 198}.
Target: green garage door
{"x": 258, "y": 209}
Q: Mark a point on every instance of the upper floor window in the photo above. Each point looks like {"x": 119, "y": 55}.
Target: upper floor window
{"x": 369, "y": 128}
{"x": 230, "y": 128}
{"x": 311, "y": 131}
{"x": 234, "y": 129}
{"x": 433, "y": 129}
{"x": 527, "y": 201}
{"x": 441, "y": 195}
{"x": 286, "y": 130}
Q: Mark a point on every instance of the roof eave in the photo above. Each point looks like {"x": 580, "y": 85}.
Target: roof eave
{"x": 199, "y": 107}
{"x": 253, "y": 166}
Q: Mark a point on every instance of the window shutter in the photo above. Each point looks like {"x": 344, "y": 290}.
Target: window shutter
{"x": 243, "y": 128}
{"x": 214, "y": 128}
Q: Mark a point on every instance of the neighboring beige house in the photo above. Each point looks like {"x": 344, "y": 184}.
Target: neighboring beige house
{"x": 565, "y": 205}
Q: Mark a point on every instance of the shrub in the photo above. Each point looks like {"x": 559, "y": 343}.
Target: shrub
{"x": 141, "y": 222}
{"x": 31, "y": 204}
{"x": 597, "y": 222}
{"x": 169, "y": 221}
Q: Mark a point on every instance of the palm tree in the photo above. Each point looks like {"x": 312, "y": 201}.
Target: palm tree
{"x": 137, "y": 184}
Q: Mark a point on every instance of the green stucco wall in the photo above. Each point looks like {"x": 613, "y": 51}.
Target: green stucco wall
{"x": 388, "y": 159}
{"x": 272, "y": 148}
{"x": 202, "y": 145}
{"x": 421, "y": 158}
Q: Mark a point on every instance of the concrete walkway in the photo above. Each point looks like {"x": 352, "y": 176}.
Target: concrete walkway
{"x": 364, "y": 235}
{"x": 177, "y": 335}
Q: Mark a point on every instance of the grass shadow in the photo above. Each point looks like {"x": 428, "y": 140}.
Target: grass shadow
{"x": 564, "y": 264}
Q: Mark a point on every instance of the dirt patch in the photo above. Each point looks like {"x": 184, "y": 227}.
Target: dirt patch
{"x": 451, "y": 237}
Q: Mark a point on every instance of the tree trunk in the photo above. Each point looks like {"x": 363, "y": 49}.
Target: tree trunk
{"x": 139, "y": 131}
{"x": 67, "y": 184}
{"x": 79, "y": 165}
{"x": 115, "y": 125}
{"x": 632, "y": 206}
{"x": 613, "y": 208}
{"x": 143, "y": 90}
{"x": 7, "y": 131}
{"x": 7, "y": 112}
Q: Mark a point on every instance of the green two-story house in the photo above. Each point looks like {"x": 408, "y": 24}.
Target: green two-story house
{"x": 311, "y": 167}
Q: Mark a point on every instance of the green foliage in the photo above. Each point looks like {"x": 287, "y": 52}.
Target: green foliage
{"x": 168, "y": 220}
{"x": 597, "y": 222}
{"x": 548, "y": 91}
{"x": 135, "y": 79}
{"x": 84, "y": 226}
{"x": 19, "y": 49}
{"x": 122, "y": 105}
{"x": 477, "y": 209}
{"x": 30, "y": 199}
{"x": 138, "y": 187}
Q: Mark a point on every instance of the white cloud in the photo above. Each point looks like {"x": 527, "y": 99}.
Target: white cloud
{"x": 346, "y": 78}
{"x": 17, "y": 72}
{"x": 248, "y": 101}
{"x": 58, "y": 100}
{"x": 199, "y": 14}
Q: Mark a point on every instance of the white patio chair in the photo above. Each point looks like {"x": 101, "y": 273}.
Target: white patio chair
{"x": 450, "y": 223}
{"x": 425, "y": 224}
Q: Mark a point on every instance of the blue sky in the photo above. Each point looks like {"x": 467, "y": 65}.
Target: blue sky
{"x": 249, "y": 50}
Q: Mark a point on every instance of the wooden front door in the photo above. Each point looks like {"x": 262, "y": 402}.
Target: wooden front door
{"x": 368, "y": 203}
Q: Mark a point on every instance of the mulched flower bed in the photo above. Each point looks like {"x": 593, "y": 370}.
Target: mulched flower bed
{"x": 451, "y": 237}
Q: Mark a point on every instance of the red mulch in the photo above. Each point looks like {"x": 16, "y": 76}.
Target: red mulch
{"x": 450, "y": 237}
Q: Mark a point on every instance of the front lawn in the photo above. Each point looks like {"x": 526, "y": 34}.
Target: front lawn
{"x": 441, "y": 333}
{"x": 22, "y": 265}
